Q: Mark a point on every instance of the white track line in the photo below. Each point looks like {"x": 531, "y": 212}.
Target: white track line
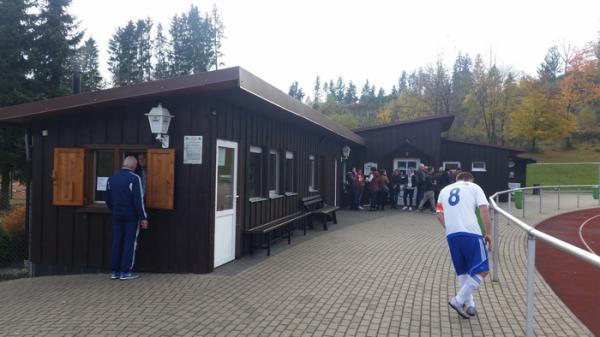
{"x": 581, "y": 233}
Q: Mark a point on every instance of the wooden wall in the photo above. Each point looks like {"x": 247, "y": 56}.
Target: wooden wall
{"x": 77, "y": 239}
{"x": 495, "y": 178}
{"x": 383, "y": 142}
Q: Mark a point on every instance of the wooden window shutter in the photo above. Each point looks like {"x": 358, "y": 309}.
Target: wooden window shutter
{"x": 67, "y": 177}
{"x": 160, "y": 182}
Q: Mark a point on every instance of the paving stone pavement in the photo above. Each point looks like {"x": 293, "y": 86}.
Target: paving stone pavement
{"x": 374, "y": 274}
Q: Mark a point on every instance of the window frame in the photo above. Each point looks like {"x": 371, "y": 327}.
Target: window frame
{"x": 290, "y": 185}
{"x": 90, "y": 167}
{"x": 451, "y": 162}
{"x": 276, "y": 175}
{"x": 255, "y": 149}
{"x": 474, "y": 169}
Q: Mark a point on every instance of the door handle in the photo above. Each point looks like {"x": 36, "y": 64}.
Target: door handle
{"x": 232, "y": 196}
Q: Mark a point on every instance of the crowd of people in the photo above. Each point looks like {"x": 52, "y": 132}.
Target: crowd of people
{"x": 409, "y": 190}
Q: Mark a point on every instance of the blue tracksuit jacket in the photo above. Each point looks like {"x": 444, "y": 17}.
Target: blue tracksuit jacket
{"x": 125, "y": 195}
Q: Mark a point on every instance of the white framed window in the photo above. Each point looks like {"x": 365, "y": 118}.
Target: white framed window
{"x": 449, "y": 165}
{"x": 478, "y": 166}
{"x": 313, "y": 173}
{"x": 255, "y": 172}
{"x": 289, "y": 172}
{"x": 104, "y": 167}
{"x": 273, "y": 172}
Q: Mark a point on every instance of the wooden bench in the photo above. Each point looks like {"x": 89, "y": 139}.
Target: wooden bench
{"x": 316, "y": 207}
{"x": 268, "y": 228}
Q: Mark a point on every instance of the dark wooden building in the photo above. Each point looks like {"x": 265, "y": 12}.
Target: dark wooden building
{"x": 407, "y": 144}
{"x": 261, "y": 151}
{"x": 240, "y": 153}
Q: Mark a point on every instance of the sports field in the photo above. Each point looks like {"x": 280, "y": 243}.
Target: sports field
{"x": 562, "y": 174}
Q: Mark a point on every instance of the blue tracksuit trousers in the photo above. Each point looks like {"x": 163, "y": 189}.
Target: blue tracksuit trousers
{"x": 125, "y": 233}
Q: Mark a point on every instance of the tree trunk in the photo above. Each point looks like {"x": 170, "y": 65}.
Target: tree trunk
{"x": 5, "y": 188}
{"x": 533, "y": 145}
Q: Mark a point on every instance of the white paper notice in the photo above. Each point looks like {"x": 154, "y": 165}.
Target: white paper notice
{"x": 101, "y": 183}
{"x": 192, "y": 149}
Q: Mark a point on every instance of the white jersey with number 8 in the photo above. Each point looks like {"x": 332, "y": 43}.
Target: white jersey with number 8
{"x": 458, "y": 202}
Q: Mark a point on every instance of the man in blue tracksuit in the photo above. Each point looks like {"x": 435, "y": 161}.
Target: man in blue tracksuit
{"x": 125, "y": 199}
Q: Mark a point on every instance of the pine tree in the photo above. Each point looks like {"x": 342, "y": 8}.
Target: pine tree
{"x": 143, "y": 63}
{"x": 549, "y": 70}
{"x": 16, "y": 86}
{"x": 161, "y": 53}
{"x": 366, "y": 96}
{"x": 217, "y": 34}
{"x": 350, "y": 95}
{"x": 402, "y": 83}
{"x": 87, "y": 63}
{"x": 56, "y": 38}
{"x": 198, "y": 41}
{"x": 296, "y": 92}
{"x": 339, "y": 89}
{"x": 178, "y": 59}
{"x": 123, "y": 51}
{"x": 16, "y": 42}
{"x": 317, "y": 91}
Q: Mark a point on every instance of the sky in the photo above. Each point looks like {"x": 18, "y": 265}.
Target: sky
{"x": 283, "y": 41}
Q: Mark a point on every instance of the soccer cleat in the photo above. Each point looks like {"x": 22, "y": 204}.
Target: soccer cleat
{"x": 471, "y": 311}
{"x": 458, "y": 308}
{"x": 115, "y": 276}
{"x": 128, "y": 276}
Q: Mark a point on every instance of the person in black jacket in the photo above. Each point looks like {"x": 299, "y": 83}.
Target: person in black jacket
{"x": 396, "y": 183}
{"x": 409, "y": 189}
{"x": 125, "y": 198}
{"x": 428, "y": 194}
{"x": 420, "y": 174}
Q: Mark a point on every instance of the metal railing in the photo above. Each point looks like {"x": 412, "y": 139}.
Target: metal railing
{"x": 532, "y": 235}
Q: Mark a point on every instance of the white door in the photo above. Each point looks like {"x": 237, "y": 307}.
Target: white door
{"x": 225, "y": 201}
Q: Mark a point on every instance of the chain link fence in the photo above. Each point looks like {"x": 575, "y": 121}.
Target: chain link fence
{"x": 13, "y": 233}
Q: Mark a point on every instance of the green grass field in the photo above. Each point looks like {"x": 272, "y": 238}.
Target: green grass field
{"x": 562, "y": 174}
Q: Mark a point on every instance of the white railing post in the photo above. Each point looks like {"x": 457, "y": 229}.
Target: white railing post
{"x": 495, "y": 245}
{"x": 509, "y": 207}
{"x": 532, "y": 236}
{"x": 540, "y": 192}
{"x": 558, "y": 199}
{"x": 530, "y": 284}
{"x": 523, "y": 202}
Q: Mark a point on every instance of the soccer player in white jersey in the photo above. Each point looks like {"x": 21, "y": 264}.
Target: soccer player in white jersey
{"x": 456, "y": 212}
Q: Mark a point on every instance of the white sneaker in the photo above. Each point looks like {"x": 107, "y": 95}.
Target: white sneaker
{"x": 404, "y": 208}
{"x": 453, "y": 303}
{"x": 410, "y": 209}
{"x": 471, "y": 311}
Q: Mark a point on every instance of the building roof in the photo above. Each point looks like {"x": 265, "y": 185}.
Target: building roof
{"x": 508, "y": 148}
{"x": 235, "y": 83}
{"x": 445, "y": 119}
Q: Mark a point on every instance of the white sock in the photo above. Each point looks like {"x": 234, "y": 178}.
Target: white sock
{"x": 468, "y": 288}
{"x": 461, "y": 281}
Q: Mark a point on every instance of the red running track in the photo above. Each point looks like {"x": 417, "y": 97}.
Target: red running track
{"x": 576, "y": 282}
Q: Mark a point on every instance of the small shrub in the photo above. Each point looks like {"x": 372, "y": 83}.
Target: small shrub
{"x": 14, "y": 221}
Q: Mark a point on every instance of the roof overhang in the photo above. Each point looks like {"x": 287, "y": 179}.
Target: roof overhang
{"x": 235, "y": 83}
{"x": 445, "y": 120}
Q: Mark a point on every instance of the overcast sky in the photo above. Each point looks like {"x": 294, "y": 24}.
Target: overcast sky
{"x": 282, "y": 41}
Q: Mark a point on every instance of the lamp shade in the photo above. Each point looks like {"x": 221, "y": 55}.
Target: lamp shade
{"x": 346, "y": 151}
{"x": 159, "y": 119}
